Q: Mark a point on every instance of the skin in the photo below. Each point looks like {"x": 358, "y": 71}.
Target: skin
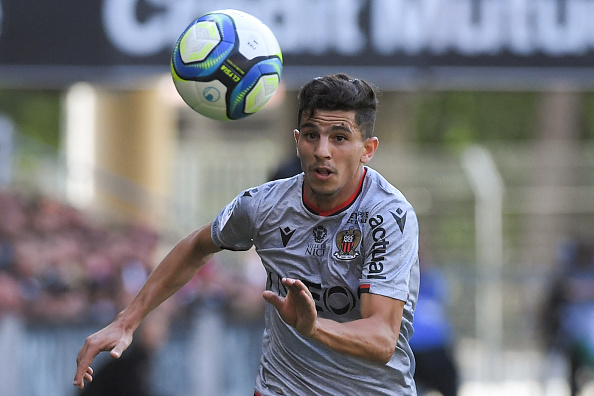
{"x": 332, "y": 153}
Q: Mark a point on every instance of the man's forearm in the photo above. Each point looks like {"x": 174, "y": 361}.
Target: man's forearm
{"x": 364, "y": 338}
{"x": 176, "y": 270}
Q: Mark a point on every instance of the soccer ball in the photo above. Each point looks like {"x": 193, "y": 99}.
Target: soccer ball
{"x": 226, "y": 65}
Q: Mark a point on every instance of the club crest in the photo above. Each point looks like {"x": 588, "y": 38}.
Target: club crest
{"x": 347, "y": 242}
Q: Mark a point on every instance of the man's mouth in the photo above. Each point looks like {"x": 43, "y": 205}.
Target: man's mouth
{"x": 323, "y": 172}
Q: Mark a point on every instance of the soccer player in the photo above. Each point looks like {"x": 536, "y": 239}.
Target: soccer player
{"x": 340, "y": 248}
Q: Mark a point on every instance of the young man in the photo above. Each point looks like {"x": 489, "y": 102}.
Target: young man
{"x": 340, "y": 247}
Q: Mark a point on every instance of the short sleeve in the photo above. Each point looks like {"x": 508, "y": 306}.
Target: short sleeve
{"x": 391, "y": 251}
{"x": 232, "y": 227}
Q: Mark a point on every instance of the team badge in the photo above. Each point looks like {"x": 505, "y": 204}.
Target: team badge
{"x": 319, "y": 233}
{"x": 347, "y": 242}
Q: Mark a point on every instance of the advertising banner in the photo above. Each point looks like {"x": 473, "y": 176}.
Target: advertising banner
{"x": 61, "y": 40}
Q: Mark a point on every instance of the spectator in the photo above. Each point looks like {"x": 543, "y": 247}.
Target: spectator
{"x": 433, "y": 340}
{"x": 568, "y": 315}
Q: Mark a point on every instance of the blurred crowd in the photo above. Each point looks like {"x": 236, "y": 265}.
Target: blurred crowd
{"x": 61, "y": 266}
{"x": 58, "y": 265}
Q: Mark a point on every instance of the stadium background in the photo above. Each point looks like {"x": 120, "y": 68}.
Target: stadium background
{"x": 486, "y": 124}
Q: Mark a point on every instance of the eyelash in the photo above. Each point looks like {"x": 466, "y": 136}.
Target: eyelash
{"x": 312, "y": 135}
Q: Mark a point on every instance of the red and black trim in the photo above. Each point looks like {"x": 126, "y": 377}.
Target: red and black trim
{"x": 340, "y": 208}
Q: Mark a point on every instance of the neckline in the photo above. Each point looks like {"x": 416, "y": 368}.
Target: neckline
{"x": 337, "y": 209}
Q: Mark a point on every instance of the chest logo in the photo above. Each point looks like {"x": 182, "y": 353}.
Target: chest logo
{"x": 286, "y": 234}
{"x": 319, "y": 234}
{"x": 347, "y": 242}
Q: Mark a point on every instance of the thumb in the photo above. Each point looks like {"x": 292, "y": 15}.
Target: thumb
{"x": 272, "y": 298}
{"x": 117, "y": 351}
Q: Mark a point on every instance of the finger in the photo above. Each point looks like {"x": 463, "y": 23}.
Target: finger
{"x": 294, "y": 284}
{"x": 82, "y": 370}
{"x": 291, "y": 285}
{"x": 83, "y": 362}
{"x": 299, "y": 284}
{"x": 288, "y": 282}
{"x": 272, "y": 298}
{"x": 87, "y": 376}
{"x": 299, "y": 288}
{"x": 83, "y": 373}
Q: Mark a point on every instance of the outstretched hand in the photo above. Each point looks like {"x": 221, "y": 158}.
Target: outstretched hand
{"x": 113, "y": 338}
{"x": 298, "y": 308}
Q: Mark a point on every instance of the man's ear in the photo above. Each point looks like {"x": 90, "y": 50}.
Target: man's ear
{"x": 296, "y": 135}
{"x": 369, "y": 147}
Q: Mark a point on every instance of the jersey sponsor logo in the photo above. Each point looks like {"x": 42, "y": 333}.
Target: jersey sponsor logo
{"x": 378, "y": 250}
{"x": 400, "y": 218}
{"x": 347, "y": 242}
{"x": 286, "y": 234}
{"x": 358, "y": 217}
{"x": 337, "y": 299}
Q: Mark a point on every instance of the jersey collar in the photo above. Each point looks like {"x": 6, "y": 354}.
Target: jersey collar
{"x": 338, "y": 209}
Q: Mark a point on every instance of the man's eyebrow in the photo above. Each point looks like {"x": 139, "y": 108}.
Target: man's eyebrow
{"x": 340, "y": 127}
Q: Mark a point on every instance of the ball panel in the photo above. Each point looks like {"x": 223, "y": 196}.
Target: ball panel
{"x": 191, "y": 39}
{"x": 255, "y": 38}
{"x": 238, "y": 108}
{"x": 199, "y": 41}
{"x": 265, "y": 87}
{"x": 206, "y": 98}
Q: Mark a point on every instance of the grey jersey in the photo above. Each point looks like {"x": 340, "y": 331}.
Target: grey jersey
{"x": 370, "y": 245}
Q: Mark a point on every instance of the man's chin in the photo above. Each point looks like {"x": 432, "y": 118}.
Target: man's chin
{"x": 322, "y": 191}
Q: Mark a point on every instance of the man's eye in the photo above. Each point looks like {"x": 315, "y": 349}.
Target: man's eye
{"x": 340, "y": 138}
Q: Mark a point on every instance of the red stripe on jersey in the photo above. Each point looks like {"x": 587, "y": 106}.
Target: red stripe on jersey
{"x": 364, "y": 288}
{"x": 338, "y": 208}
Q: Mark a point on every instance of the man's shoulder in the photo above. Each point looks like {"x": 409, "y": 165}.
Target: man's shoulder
{"x": 271, "y": 192}
{"x": 382, "y": 191}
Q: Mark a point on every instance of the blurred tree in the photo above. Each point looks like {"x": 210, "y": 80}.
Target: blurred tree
{"x": 588, "y": 116}
{"x": 36, "y": 114}
{"x": 459, "y": 118}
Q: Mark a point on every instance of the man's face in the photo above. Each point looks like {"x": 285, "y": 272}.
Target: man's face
{"x": 332, "y": 153}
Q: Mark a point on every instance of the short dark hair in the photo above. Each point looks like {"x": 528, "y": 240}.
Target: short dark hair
{"x": 340, "y": 92}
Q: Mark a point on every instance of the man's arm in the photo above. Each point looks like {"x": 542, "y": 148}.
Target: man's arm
{"x": 374, "y": 337}
{"x": 176, "y": 269}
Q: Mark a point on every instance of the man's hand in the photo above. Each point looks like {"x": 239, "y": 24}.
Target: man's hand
{"x": 298, "y": 308}
{"x": 113, "y": 338}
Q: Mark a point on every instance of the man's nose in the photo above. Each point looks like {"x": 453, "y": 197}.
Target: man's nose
{"x": 322, "y": 148}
